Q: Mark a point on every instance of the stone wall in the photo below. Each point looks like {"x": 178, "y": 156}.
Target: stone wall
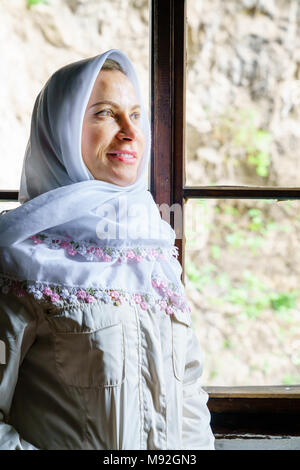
{"x": 243, "y": 89}
{"x": 36, "y": 41}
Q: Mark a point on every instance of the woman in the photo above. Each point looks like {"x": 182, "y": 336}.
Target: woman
{"x": 100, "y": 352}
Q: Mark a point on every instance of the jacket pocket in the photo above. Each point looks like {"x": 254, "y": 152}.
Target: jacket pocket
{"x": 180, "y": 324}
{"x": 90, "y": 359}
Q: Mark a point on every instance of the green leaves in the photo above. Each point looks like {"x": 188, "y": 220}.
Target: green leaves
{"x": 31, "y": 3}
{"x": 250, "y": 293}
{"x": 240, "y": 130}
{"x": 281, "y": 301}
{"x": 257, "y": 143}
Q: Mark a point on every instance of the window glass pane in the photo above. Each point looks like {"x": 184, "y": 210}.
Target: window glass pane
{"x": 242, "y": 272}
{"x": 243, "y": 93}
{"x": 38, "y": 37}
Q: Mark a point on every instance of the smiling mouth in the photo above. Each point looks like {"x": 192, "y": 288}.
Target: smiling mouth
{"x": 124, "y": 157}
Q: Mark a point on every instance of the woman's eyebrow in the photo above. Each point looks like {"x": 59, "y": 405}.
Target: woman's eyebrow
{"x": 112, "y": 103}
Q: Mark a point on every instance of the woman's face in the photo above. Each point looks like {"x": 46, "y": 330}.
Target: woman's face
{"x": 112, "y": 142}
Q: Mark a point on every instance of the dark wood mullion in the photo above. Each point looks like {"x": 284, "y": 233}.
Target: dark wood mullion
{"x": 168, "y": 106}
{"x": 179, "y": 115}
{"x": 161, "y": 101}
{"x": 214, "y": 192}
{"x": 241, "y": 192}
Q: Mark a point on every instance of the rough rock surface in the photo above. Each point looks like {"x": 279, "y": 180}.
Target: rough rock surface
{"x": 36, "y": 41}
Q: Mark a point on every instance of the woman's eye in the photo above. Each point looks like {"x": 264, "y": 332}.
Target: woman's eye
{"x": 136, "y": 116}
{"x": 104, "y": 112}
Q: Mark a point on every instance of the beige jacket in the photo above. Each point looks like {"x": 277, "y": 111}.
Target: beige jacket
{"x": 99, "y": 376}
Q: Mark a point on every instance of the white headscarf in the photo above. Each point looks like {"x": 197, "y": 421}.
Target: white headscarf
{"x": 77, "y": 239}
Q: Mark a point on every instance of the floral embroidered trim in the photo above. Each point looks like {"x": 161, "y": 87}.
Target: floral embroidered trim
{"x": 170, "y": 298}
{"x": 96, "y": 253}
{"x": 62, "y": 296}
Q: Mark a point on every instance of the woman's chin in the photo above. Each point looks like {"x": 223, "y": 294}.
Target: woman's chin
{"x": 117, "y": 180}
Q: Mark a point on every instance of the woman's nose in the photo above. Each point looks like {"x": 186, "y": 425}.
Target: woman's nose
{"x": 127, "y": 130}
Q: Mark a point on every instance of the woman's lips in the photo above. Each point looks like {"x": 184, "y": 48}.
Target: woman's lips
{"x": 124, "y": 157}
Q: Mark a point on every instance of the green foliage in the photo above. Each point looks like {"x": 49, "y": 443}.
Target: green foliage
{"x": 235, "y": 234}
{"x": 284, "y": 301}
{"x": 227, "y": 344}
{"x": 215, "y": 251}
{"x": 239, "y": 129}
{"x": 229, "y": 210}
{"x": 200, "y": 278}
{"x": 256, "y": 143}
{"x": 249, "y": 234}
{"x": 249, "y": 293}
{"x": 213, "y": 374}
{"x": 291, "y": 379}
{"x": 256, "y": 223}
{"x": 296, "y": 359}
{"x": 254, "y": 297}
{"x": 253, "y": 302}
{"x": 30, "y": 3}
{"x": 235, "y": 239}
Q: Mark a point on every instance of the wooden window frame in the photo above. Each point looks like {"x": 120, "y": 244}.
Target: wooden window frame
{"x": 235, "y": 410}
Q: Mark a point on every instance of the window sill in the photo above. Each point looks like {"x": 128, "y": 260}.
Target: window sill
{"x": 251, "y": 411}
{"x": 256, "y": 442}
{"x": 277, "y": 391}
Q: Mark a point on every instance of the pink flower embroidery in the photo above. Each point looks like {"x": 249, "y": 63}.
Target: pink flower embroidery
{"x": 139, "y": 258}
{"x": 143, "y": 305}
{"x": 137, "y": 298}
{"x": 72, "y": 252}
{"x": 54, "y": 297}
{"x": 35, "y": 239}
{"x": 89, "y": 298}
{"x": 176, "y": 300}
{"x": 47, "y": 291}
{"x": 130, "y": 254}
{"x": 115, "y": 295}
{"x": 107, "y": 258}
{"x": 169, "y": 310}
{"x": 64, "y": 244}
{"x": 163, "y": 304}
{"x": 81, "y": 294}
{"x": 98, "y": 252}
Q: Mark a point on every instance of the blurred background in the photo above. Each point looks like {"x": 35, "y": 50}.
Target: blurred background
{"x": 242, "y": 128}
{"x": 39, "y": 36}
